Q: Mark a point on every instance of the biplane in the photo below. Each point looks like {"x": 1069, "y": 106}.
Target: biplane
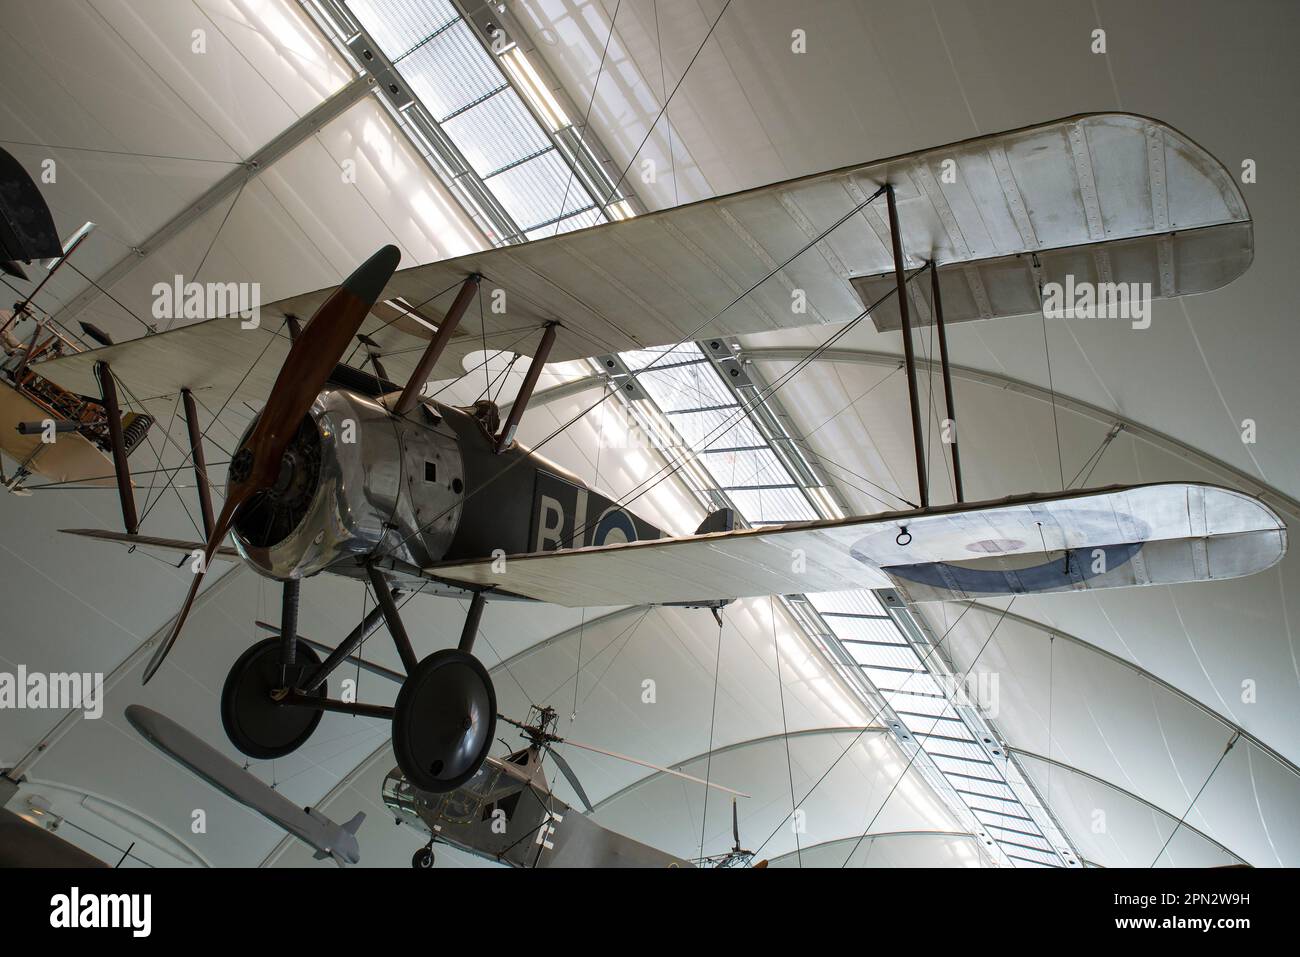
{"x": 354, "y": 472}
{"x": 49, "y": 431}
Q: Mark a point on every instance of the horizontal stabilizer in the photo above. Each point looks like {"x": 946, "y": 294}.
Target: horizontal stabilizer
{"x": 1140, "y": 535}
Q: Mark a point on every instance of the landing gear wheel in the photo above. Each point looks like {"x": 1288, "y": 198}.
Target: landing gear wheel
{"x": 254, "y": 722}
{"x": 422, "y": 859}
{"x": 444, "y": 720}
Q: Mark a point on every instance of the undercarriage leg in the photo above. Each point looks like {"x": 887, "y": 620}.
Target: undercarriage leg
{"x": 392, "y": 619}
{"x": 346, "y": 647}
{"x": 289, "y": 629}
{"x": 472, "y": 619}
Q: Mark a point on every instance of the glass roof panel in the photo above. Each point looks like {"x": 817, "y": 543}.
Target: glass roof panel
{"x": 496, "y": 133}
{"x": 861, "y": 602}
{"x": 531, "y": 192}
{"x": 678, "y": 387}
{"x": 895, "y": 656}
{"x": 398, "y": 25}
{"x": 868, "y": 629}
{"x": 661, "y": 355}
{"x": 450, "y": 71}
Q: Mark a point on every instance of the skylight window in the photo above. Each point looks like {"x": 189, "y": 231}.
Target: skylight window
{"x": 488, "y": 103}
{"x": 886, "y": 643}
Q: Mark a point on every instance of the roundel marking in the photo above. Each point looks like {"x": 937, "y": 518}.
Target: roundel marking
{"x": 615, "y": 526}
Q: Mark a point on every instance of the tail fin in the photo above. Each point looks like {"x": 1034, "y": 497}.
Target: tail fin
{"x": 720, "y": 520}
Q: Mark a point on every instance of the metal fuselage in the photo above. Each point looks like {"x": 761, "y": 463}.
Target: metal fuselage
{"x": 507, "y": 813}
{"x": 360, "y": 485}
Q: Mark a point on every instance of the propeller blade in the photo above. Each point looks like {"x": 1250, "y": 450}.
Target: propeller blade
{"x": 735, "y": 823}
{"x": 571, "y": 777}
{"x": 312, "y": 358}
{"x": 655, "y": 767}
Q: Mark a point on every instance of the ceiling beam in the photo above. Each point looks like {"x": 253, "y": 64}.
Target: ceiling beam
{"x": 1127, "y": 793}
{"x": 736, "y": 746}
{"x": 1051, "y": 632}
{"x": 306, "y": 126}
{"x": 857, "y": 838}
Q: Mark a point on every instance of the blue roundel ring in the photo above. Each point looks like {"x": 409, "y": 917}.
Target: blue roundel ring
{"x": 614, "y": 520}
{"x": 1045, "y": 577}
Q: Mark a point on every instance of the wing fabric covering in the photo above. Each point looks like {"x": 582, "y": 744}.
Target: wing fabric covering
{"x": 1106, "y": 197}
{"x": 1105, "y": 538}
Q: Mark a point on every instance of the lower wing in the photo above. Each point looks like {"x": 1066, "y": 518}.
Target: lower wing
{"x": 1103, "y": 538}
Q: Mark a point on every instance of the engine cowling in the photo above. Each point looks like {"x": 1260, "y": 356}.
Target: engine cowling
{"x": 354, "y": 483}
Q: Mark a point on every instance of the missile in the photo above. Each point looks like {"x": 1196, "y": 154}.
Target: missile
{"x": 336, "y": 841}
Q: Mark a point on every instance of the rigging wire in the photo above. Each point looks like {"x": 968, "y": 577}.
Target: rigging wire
{"x": 858, "y": 207}
{"x": 651, "y": 128}
{"x": 742, "y": 411}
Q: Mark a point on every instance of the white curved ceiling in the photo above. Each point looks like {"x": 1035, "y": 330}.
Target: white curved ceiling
{"x": 878, "y": 79}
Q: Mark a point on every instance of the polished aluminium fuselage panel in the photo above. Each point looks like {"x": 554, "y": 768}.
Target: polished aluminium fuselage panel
{"x": 406, "y": 492}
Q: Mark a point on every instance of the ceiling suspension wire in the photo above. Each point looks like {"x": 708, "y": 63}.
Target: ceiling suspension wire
{"x": 1051, "y": 387}
{"x": 713, "y": 720}
{"x": 582, "y": 626}
{"x": 482, "y": 321}
{"x": 582, "y": 136}
{"x": 868, "y": 726}
{"x": 87, "y": 149}
{"x": 217, "y": 235}
{"x": 1231, "y": 743}
{"x": 627, "y": 633}
{"x": 1051, "y": 689}
{"x": 623, "y": 175}
{"x": 149, "y": 330}
{"x": 663, "y": 92}
{"x": 1096, "y": 457}
{"x": 785, "y": 727}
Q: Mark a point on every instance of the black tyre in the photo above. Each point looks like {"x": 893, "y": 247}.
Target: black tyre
{"x": 444, "y": 720}
{"x": 255, "y": 724}
{"x": 422, "y": 859}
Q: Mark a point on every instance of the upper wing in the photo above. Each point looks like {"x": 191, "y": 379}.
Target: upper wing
{"x": 1141, "y": 535}
{"x": 1110, "y": 197}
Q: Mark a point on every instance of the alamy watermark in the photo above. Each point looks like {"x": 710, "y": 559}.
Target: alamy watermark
{"x": 1130, "y": 301}
{"x": 179, "y": 299}
{"x": 55, "y": 690}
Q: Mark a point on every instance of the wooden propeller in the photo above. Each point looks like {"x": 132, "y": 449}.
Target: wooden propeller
{"x": 311, "y": 360}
